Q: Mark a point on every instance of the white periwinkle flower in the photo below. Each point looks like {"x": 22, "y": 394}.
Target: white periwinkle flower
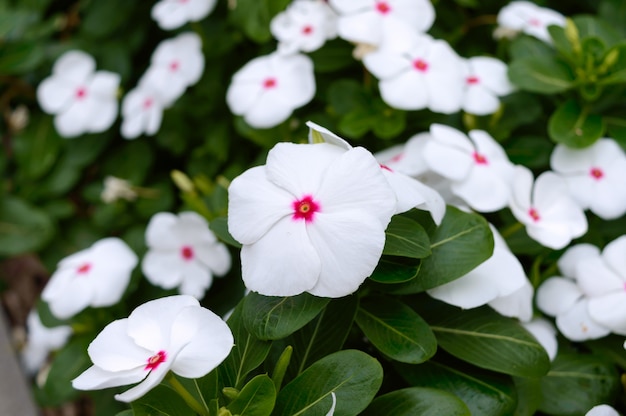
{"x": 96, "y": 276}
{"x": 171, "y": 14}
{"x": 545, "y": 333}
{"x": 478, "y": 167}
{"x": 83, "y": 100}
{"x": 267, "y": 89}
{"x": 172, "y": 333}
{"x": 418, "y": 72}
{"x": 373, "y": 21}
{"x": 41, "y": 341}
{"x": 142, "y": 112}
{"x": 602, "y": 410}
{"x": 595, "y": 176}
{"x": 527, "y": 17}
{"x": 546, "y": 208}
{"x": 311, "y": 220}
{"x": 485, "y": 80}
{"x": 304, "y": 26}
{"x": 184, "y": 253}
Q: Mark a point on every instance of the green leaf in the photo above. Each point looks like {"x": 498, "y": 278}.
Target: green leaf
{"x": 405, "y": 237}
{"x": 614, "y": 13}
{"x": 484, "y": 393}
{"x": 610, "y": 347}
{"x": 528, "y": 395}
{"x": 20, "y": 57}
{"x": 541, "y": 74}
{"x": 458, "y": 245}
{"x": 577, "y": 382}
{"x": 161, "y": 401}
{"x": 396, "y": 330}
{"x": 247, "y": 354}
{"x": 334, "y": 56}
{"x": 530, "y": 151}
{"x": 23, "y": 227}
{"x": 345, "y": 95}
{"x": 389, "y": 122}
{"x": 125, "y": 163}
{"x": 274, "y": 317}
{"x": 573, "y": 126}
{"x": 420, "y": 401}
{"x": 591, "y": 26}
{"x": 37, "y": 147}
{"x": 527, "y": 47}
{"x": 488, "y": 340}
{"x": 220, "y": 227}
{"x": 257, "y": 398}
{"x": 392, "y": 270}
{"x": 356, "y": 123}
{"x": 253, "y": 17}
{"x": 352, "y": 375}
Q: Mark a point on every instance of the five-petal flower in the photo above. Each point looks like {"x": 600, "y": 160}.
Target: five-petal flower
{"x": 171, "y": 14}
{"x": 485, "y": 80}
{"x": 527, "y": 17}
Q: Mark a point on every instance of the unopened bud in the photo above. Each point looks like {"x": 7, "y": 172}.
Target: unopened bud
{"x": 182, "y": 181}
{"x": 572, "y": 35}
{"x": 230, "y": 392}
{"x": 609, "y": 60}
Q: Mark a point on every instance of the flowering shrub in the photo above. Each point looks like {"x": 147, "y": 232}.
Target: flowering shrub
{"x": 340, "y": 207}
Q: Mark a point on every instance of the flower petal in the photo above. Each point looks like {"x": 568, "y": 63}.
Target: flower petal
{"x": 154, "y": 378}
{"x": 545, "y": 333}
{"x": 557, "y": 295}
{"x": 113, "y": 350}
{"x": 160, "y": 232}
{"x": 576, "y": 324}
{"x": 568, "y": 261}
{"x": 163, "y": 268}
{"x": 95, "y": 378}
{"x": 610, "y": 311}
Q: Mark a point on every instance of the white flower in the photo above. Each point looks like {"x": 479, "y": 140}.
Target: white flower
{"x": 418, "y": 72}
{"x": 602, "y": 410}
{"x": 311, "y": 220}
{"x": 603, "y": 280}
{"x": 142, "y": 112}
{"x": 545, "y": 333}
{"x": 562, "y": 298}
{"x": 478, "y": 167}
{"x": 518, "y": 304}
{"x": 184, "y": 253}
{"x": 267, "y": 89}
{"x": 171, "y": 14}
{"x": 41, "y": 341}
{"x": 84, "y": 101}
{"x": 410, "y": 193}
{"x": 373, "y": 21}
{"x": 529, "y": 18}
{"x": 595, "y": 176}
{"x": 117, "y": 188}
{"x": 485, "y": 80}
{"x": 172, "y": 333}
{"x": 176, "y": 64}
{"x": 304, "y": 26}
{"x": 407, "y": 158}
{"x": 97, "y": 277}
{"x": 500, "y": 275}
{"x": 550, "y": 215}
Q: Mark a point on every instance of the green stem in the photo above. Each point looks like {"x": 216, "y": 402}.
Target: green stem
{"x": 186, "y": 396}
{"x": 511, "y": 229}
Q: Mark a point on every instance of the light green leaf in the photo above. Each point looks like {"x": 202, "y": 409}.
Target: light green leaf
{"x": 405, "y": 237}
{"x": 420, "y": 401}
{"x": 573, "y": 126}
{"x": 396, "y": 330}
{"x": 541, "y": 74}
{"x": 257, "y": 398}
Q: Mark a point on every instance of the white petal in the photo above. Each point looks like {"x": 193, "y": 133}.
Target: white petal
{"x": 576, "y": 324}
{"x": 54, "y": 95}
{"x": 518, "y": 304}
{"x": 215, "y": 256}
{"x": 169, "y": 14}
{"x": 492, "y": 74}
{"x": 573, "y": 255}
{"x": 480, "y": 101}
{"x": 484, "y": 189}
{"x": 163, "y": 268}
{"x": 95, "y": 378}
{"x": 406, "y": 91}
{"x": 610, "y": 311}
{"x": 384, "y": 63}
{"x": 361, "y": 27}
{"x": 545, "y": 333}
{"x": 113, "y": 350}
{"x": 160, "y": 232}
{"x": 613, "y": 255}
{"x": 74, "y": 65}
{"x": 557, "y": 295}
{"x": 595, "y": 278}
{"x": 602, "y": 410}
{"x": 449, "y": 153}
{"x": 154, "y": 378}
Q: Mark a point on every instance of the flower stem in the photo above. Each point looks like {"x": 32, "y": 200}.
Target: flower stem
{"x": 511, "y": 229}
{"x": 186, "y": 396}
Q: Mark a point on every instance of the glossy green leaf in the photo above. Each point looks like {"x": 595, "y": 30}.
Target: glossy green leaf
{"x": 161, "y": 401}
{"x": 541, "y": 74}
{"x": 392, "y": 270}
{"x": 23, "y": 227}
{"x": 396, "y": 330}
{"x": 577, "y": 382}
{"x": 220, "y": 227}
{"x": 420, "y": 401}
{"x": 405, "y": 237}
{"x": 574, "y": 126}
{"x": 274, "y": 317}
{"x": 528, "y": 395}
{"x": 352, "y": 375}
{"x": 257, "y": 398}
{"x": 528, "y": 47}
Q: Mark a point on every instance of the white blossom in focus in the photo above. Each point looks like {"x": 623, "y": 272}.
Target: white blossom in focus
{"x": 171, "y": 14}
{"x": 304, "y": 26}
{"x": 546, "y": 208}
{"x": 595, "y": 176}
{"x": 485, "y": 80}
{"x": 374, "y": 21}
{"x": 82, "y": 99}
{"x": 183, "y": 253}
{"x": 269, "y": 88}
{"x": 418, "y": 72}
{"x": 172, "y": 333}
{"x": 96, "y": 277}
{"x": 527, "y": 17}
{"x": 478, "y": 167}
{"x": 41, "y": 341}
{"x": 312, "y": 219}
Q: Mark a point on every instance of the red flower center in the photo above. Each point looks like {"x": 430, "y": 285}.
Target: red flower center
{"x": 305, "y": 208}
{"x": 472, "y": 80}
{"x": 269, "y": 83}
{"x": 386, "y": 167}
{"x": 81, "y": 92}
{"x": 534, "y": 214}
{"x": 307, "y": 30}
{"x": 480, "y": 159}
{"x": 187, "y": 253}
{"x": 383, "y": 7}
{"x": 596, "y": 173}
{"x": 420, "y": 65}
{"x": 174, "y": 65}
{"x": 156, "y": 360}
{"x": 147, "y": 103}
{"x": 84, "y": 268}
{"x": 533, "y": 21}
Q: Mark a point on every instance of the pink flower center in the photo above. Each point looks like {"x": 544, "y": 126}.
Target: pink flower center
{"x": 305, "y": 208}
{"x": 84, "y": 268}
{"x": 383, "y": 7}
{"x": 420, "y": 65}
{"x": 386, "y": 167}
{"x": 269, "y": 83}
{"x": 480, "y": 159}
{"x": 533, "y": 21}
{"x": 397, "y": 158}
{"x": 147, "y": 103}
{"x": 307, "y": 30}
{"x": 187, "y": 253}
{"x": 81, "y": 92}
{"x": 596, "y": 173}
{"x": 174, "y": 65}
{"x": 472, "y": 80}
{"x": 534, "y": 214}
{"x": 156, "y": 360}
